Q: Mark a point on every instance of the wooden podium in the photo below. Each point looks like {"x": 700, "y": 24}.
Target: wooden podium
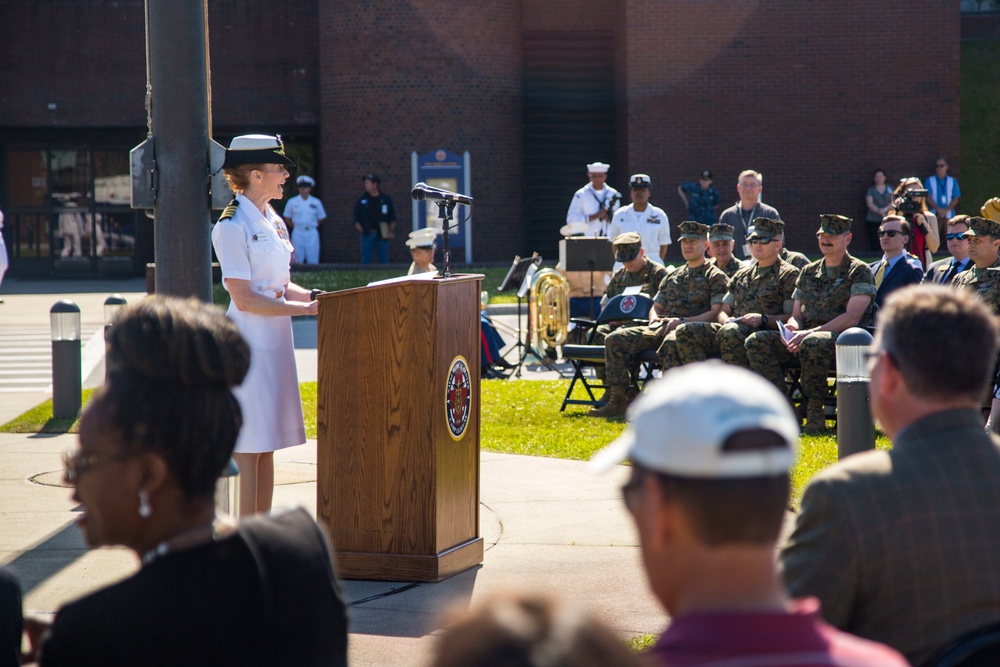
{"x": 398, "y": 428}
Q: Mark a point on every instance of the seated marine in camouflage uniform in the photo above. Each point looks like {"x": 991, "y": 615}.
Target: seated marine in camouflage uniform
{"x": 831, "y": 295}
{"x": 796, "y": 259}
{"x": 759, "y": 295}
{"x": 720, "y": 249}
{"x": 984, "y": 248}
{"x": 638, "y": 270}
{"x": 984, "y": 278}
{"x": 693, "y": 291}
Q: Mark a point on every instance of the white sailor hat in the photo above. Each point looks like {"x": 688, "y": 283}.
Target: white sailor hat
{"x": 598, "y": 168}
{"x": 422, "y": 238}
{"x": 305, "y": 180}
{"x": 256, "y": 149}
{"x": 574, "y": 229}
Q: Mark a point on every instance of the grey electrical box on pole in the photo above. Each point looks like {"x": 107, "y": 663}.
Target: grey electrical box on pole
{"x": 171, "y": 168}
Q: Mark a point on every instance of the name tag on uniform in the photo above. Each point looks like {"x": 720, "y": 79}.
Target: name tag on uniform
{"x": 385, "y": 209}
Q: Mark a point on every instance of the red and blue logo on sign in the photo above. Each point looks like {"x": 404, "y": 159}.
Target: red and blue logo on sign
{"x": 628, "y": 304}
{"x": 458, "y": 398}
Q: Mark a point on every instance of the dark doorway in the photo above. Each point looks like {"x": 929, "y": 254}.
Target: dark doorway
{"x": 569, "y": 121}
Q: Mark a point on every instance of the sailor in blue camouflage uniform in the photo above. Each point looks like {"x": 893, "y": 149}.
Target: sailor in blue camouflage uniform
{"x": 758, "y": 296}
{"x": 831, "y": 295}
{"x": 691, "y": 292}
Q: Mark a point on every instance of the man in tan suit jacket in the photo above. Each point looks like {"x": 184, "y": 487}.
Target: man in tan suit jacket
{"x": 903, "y": 546}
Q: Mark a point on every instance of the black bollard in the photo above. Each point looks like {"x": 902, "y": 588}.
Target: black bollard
{"x": 112, "y": 305}
{"x": 67, "y": 384}
{"x": 855, "y": 427}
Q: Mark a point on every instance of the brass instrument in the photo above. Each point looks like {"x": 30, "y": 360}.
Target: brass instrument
{"x": 548, "y": 308}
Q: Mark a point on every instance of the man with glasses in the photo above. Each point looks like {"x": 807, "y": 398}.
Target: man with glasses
{"x": 596, "y": 202}
{"x": 896, "y": 268}
{"x": 711, "y": 446}
{"x": 901, "y": 546}
{"x": 831, "y": 295}
{"x": 758, "y": 297}
{"x": 943, "y": 192}
{"x": 983, "y": 279}
{"x": 944, "y": 271}
{"x": 740, "y": 216}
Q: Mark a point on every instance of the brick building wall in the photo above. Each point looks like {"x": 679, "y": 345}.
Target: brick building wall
{"x": 89, "y": 58}
{"x": 397, "y": 77}
{"x": 815, "y": 96}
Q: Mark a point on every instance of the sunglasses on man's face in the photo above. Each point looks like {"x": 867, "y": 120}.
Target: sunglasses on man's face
{"x": 888, "y": 232}
{"x": 955, "y": 237}
{"x": 755, "y": 240}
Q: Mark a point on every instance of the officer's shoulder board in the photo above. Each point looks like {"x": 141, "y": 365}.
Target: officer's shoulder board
{"x": 229, "y": 211}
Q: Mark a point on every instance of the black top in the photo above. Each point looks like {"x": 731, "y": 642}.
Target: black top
{"x": 10, "y": 620}
{"x": 267, "y": 595}
{"x": 369, "y": 211}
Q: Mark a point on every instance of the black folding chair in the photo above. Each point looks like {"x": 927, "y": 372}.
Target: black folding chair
{"x": 618, "y": 309}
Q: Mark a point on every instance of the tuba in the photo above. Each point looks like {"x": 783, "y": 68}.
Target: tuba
{"x": 548, "y": 307}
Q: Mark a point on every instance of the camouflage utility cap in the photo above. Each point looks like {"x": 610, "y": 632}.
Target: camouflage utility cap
{"x": 835, "y": 225}
{"x": 627, "y": 246}
{"x": 991, "y": 209}
{"x": 693, "y": 230}
{"x": 982, "y": 227}
{"x": 720, "y": 231}
{"x": 766, "y": 229}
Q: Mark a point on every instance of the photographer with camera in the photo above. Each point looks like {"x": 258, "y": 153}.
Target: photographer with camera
{"x": 910, "y": 202}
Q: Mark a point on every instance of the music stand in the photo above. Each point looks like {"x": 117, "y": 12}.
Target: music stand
{"x": 519, "y": 277}
{"x": 587, "y": 254}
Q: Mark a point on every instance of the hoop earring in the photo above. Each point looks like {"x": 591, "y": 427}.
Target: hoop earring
{"x": 145, "y": 511}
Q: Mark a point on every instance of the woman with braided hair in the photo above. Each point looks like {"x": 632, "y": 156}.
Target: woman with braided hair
{"x": 153, "y": 441}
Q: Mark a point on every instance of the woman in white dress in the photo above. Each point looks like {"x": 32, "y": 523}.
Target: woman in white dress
{"x": 252, "y": 244}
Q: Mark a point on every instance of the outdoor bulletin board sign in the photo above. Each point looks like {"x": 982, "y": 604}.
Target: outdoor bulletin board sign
{"x": 444, "y": 169}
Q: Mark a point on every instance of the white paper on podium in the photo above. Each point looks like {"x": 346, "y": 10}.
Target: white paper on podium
{"x": 430, "y": 275}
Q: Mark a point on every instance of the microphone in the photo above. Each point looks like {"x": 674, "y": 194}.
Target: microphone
{"x": 422, "y": 191}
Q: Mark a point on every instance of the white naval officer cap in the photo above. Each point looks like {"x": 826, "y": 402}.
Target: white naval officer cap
{"x": 256, "y": 149}
{"x": 422, "y": 238}
{"x": 305, "y": 180}
{"x": 598, "y": 168}
{"x": 574, "y": 229}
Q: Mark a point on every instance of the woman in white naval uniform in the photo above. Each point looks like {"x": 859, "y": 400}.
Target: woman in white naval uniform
{"x": 252, "y": 244}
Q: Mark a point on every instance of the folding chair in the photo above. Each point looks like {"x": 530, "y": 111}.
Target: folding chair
{"x": 618, "y": 309}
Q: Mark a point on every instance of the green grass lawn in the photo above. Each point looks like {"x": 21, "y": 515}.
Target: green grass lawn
{"x": 518, "y": 417}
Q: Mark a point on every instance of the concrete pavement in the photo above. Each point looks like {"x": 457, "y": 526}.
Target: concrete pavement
{"x": 549, "y": 525}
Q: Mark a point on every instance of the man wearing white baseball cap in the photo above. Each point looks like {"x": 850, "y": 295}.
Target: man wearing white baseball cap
{"x": 304, "y": 213}
{"x": 711, "y": 446}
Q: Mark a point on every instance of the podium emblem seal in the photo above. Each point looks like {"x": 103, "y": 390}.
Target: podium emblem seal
{"x": 458, "y": 398}
{"x": 628, "y": 304}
